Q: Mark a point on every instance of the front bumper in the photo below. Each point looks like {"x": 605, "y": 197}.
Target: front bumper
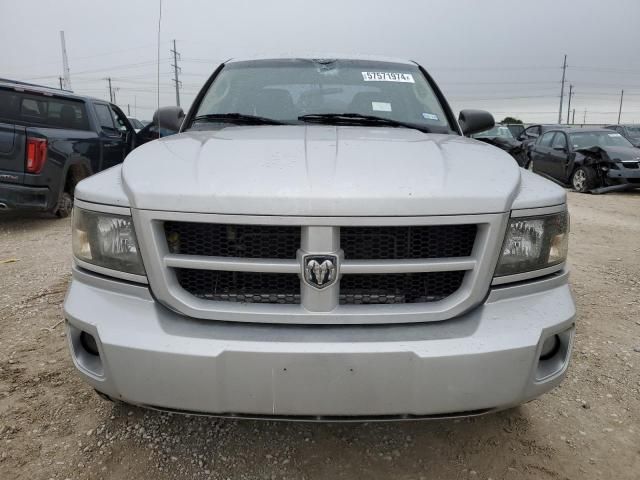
{"x": 484, "y": 360}
{"x": 22, "y": 197}
{"x": 625, "y": 176}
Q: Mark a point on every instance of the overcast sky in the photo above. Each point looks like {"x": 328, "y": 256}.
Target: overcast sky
{"x": 501, "y": 55}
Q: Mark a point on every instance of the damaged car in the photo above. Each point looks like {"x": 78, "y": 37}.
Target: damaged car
{"x": 589, "y": 160}
{"x": 500, "y": 136}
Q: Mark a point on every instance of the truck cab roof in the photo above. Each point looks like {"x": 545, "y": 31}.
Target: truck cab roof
{"x": 42, "y": 90}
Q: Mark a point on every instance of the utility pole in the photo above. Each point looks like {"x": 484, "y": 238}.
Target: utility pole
{"x": 135, "y": 106}
{"x": 65, "y": 63}
{"x": 114, "y": 95}
{"x": 108, "y": 79}
{"x": 569, "y": 104}
{"x": 128, "y": 111}
{"x": 584, "y": 119}
{"x": 620, "y": 109}
{"x": 564, "y": 71}
{"x": 61, "y": 87}
{"x": 176, "y": 69}
{"x": 573, "y": 119}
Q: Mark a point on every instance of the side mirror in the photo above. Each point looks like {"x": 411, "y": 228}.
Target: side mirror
{"x": 475, "y": 121}
{"x": 168, "y": 118}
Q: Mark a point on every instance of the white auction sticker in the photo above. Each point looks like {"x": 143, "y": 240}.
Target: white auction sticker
{"x": 614, "y": 135}
{"x": 381, "y": 106}
{"x": 387, "y": 77}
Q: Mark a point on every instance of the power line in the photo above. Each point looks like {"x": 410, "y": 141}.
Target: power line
{"x": 474, "y": 97}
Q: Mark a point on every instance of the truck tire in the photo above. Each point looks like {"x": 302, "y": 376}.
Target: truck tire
{"x": 584, "y": 179}
{"x": 65, "y": 205}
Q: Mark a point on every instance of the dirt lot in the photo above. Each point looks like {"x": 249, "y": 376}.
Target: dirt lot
{"x": 53, "y": 426}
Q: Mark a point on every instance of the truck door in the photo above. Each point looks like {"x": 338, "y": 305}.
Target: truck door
{"x": 112, "y": 139}
{"x": 125, "y": 127}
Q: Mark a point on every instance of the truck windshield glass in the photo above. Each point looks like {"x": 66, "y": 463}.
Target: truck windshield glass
{"x": 598, "y": 139}
{"x": 285, "y": 90}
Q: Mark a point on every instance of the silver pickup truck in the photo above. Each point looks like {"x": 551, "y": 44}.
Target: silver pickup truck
{"x": 320, "y": 241}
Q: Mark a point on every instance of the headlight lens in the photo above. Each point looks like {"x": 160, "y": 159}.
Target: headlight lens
{"x": 533, "y": 243}
{"x": 106, "y": 240}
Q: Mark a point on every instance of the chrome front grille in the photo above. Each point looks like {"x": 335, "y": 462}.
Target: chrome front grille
{"x": 401, "y": 269}
{"x": 282, "y": 242}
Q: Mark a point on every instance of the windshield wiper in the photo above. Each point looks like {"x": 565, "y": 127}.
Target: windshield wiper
{"x": 240, "y": 118}
{"x": 358, "y": 119}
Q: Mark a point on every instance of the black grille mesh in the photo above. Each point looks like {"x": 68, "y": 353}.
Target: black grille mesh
{"x": 220, "y": 240}
{"x": 428, "y": 241}
{"x": 245, "y": 287}
{"x": 399, "y": 287}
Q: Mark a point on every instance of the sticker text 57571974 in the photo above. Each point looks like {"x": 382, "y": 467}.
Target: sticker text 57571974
{"x": 387, "y": 77}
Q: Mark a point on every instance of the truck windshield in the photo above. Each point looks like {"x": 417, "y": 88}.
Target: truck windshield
{"x": 285, "y": 90}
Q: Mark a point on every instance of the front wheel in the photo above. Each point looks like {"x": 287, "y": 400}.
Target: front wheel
{"x": 583, "y": 179}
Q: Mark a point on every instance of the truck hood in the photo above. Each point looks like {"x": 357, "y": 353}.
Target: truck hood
{"x": 320, "y": 170}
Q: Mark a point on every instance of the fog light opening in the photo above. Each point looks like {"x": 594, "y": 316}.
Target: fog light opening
{"x": 550, "y": 347}
{"x": 89, "y": 343}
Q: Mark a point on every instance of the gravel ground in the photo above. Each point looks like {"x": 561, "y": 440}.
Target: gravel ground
{"x": 54, "y": 426}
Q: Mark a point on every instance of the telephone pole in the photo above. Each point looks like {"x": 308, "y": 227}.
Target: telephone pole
{"x": 128, "y": 111}
{"x": 569, "y": 104}
{"x": 66, "y": 74}
{"x": 573, "y": 119}
{"x": 176, "y": 69}
{"x": 620, "y": 109}
{"x": 61, "y": 87}
{"x": 108, "y": 79}
{"x": 584, "y": 119}
{"x": 564, "y": 71}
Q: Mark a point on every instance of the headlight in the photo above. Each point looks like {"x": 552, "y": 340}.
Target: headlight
{"x": 106, "y": 240}
{"x": 533, "y": 243}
